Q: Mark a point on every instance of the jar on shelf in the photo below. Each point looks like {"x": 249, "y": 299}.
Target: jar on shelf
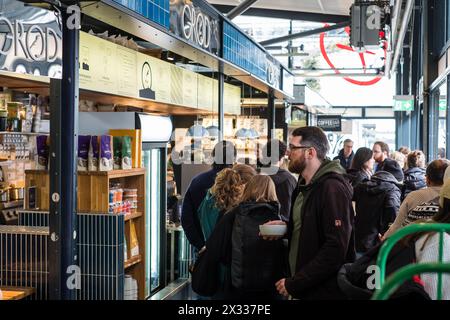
{"x": 3, "y": 120}
{"x": 14, "y": 110}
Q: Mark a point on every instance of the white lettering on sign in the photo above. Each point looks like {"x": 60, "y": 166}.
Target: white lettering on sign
{"x": 197, "y": 26}
{"x": 34, "y": 43}
{"x": 328, "y": 122}
{"x": 273, "y": 74}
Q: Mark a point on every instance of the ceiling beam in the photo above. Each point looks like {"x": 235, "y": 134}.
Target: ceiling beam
{"x": 304, "y": 33}
{"x": 240, "y": 9}
{"x": 289, "y": 15}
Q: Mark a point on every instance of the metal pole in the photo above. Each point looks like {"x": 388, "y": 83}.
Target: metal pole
{"x": 221, "y": 115}
{"x": 63, "y": 224}
{"x": 304, "y": 33}
{"x": 290, "y": 58}
{"x": 240, "y": 9}
{"x": 271, "y": 115}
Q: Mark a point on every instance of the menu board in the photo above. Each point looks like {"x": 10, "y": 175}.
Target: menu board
{"x": 126, "y": 66}
{"x": 114, "y": 69}
{"x": 232, "y": 99}
{"x": 189, "y": 88}
{"x": 205, "y": 97}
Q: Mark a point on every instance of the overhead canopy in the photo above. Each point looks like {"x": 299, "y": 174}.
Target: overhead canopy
{"x": 335, "y": 7}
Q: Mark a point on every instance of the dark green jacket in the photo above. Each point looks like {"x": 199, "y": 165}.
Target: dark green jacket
{"x": 326, "y": 234}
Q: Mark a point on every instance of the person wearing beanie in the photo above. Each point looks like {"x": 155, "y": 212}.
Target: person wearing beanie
{"x": 447, "y": 174}
{"x": 361, "y": 167}
{"x": 427, "y": 247}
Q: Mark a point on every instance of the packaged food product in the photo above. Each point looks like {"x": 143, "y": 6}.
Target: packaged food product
{"x": 126, "y": 153}
{"x": 112, "y": 194}
{"x": 106, "y": 158}
{"x": 42, "y": 151}
{"x": 119, "y": 195}
{"x": 117, "y": 153}
{"x": 134, "y": 244}
{"x": 83, "y": 151}
{"x": 93, "y": 154}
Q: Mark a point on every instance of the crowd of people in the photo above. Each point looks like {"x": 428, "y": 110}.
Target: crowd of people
{"x": 337, "y": 213}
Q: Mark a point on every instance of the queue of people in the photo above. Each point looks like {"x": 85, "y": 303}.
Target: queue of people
{"x": 338, "y": 211}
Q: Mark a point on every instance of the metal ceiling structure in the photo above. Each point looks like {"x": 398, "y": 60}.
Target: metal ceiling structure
{"x": 326, "y": 7}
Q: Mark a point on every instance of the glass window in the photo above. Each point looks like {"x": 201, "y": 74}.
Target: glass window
{"x": 152, "y": 164}
{"x": 442, "y": 126}
{"x": 364, "y": 133}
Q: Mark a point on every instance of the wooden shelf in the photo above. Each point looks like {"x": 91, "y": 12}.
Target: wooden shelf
{"x": 132, "y": 261}
{"x": 25, "y": 133}
{"x": 114, "y": 174}
{"x": 133, "y": 216}
{"x": 16, "y": 293}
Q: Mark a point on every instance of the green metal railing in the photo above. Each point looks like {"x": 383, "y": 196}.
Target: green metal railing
{"x": 396, "y": 279}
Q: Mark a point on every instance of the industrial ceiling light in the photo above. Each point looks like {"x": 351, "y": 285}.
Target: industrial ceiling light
{"x": 252, "y": 134}
{"x": 213, "y": 132}
{"x": 197, "y": 131}
{"x": 170, "y": 56}
{"x": 242, "y": 134}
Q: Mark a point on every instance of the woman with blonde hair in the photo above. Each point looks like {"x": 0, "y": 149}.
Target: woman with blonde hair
{"x": 246, "y": 172}
{"x": 249, "y": 265}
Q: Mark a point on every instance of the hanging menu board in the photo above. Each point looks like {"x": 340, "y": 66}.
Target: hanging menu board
{"x": 113, "y": 69}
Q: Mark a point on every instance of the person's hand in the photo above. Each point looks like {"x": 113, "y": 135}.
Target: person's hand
{"x": 280, "y": 285}
{"x": 273, "y": 222}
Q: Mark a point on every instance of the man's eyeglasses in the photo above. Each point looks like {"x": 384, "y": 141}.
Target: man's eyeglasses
{"x": 293, "y": 147}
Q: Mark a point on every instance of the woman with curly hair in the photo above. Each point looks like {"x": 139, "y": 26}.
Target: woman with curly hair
{"x": 223, "y": 196}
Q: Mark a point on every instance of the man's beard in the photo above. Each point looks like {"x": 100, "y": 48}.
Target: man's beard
{"x": 297, "y": 167}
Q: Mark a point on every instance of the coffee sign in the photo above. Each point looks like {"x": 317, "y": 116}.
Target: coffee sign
{"x": 329, "y": 123}
{"x": 196, "y": 25}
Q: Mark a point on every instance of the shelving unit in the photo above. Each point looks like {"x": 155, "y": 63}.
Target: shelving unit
{"x": 133, "y": 216}
{"x": 93, "y": 197}
{"x": 41, "y": 85}
{"x": 132, "y": 261}
{"x": 25, "y": 133}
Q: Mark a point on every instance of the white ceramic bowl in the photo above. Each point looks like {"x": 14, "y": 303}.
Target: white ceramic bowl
{"x": 272, "y": 229}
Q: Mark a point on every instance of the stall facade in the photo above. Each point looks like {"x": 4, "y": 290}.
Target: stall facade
{"x": 104, "y": 222}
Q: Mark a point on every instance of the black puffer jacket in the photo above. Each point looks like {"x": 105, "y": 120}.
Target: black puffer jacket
{"x": 377, "y": 204}
{"x": 356, "y": 176}
{"x": 414, "y": 180}
{"x": 254, "y": 264}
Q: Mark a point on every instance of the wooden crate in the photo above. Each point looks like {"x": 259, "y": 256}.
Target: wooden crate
{"x": 93, "y": 197}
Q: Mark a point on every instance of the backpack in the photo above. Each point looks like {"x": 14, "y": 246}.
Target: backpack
{"x": 207, "y": 214}
{"x": 353, "y": 278}
{"x": 256, "y": 264}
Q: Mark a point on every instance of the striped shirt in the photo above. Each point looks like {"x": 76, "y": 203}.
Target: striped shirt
{"x": 427, "y": 252}
{"x": 413, "y": 200}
